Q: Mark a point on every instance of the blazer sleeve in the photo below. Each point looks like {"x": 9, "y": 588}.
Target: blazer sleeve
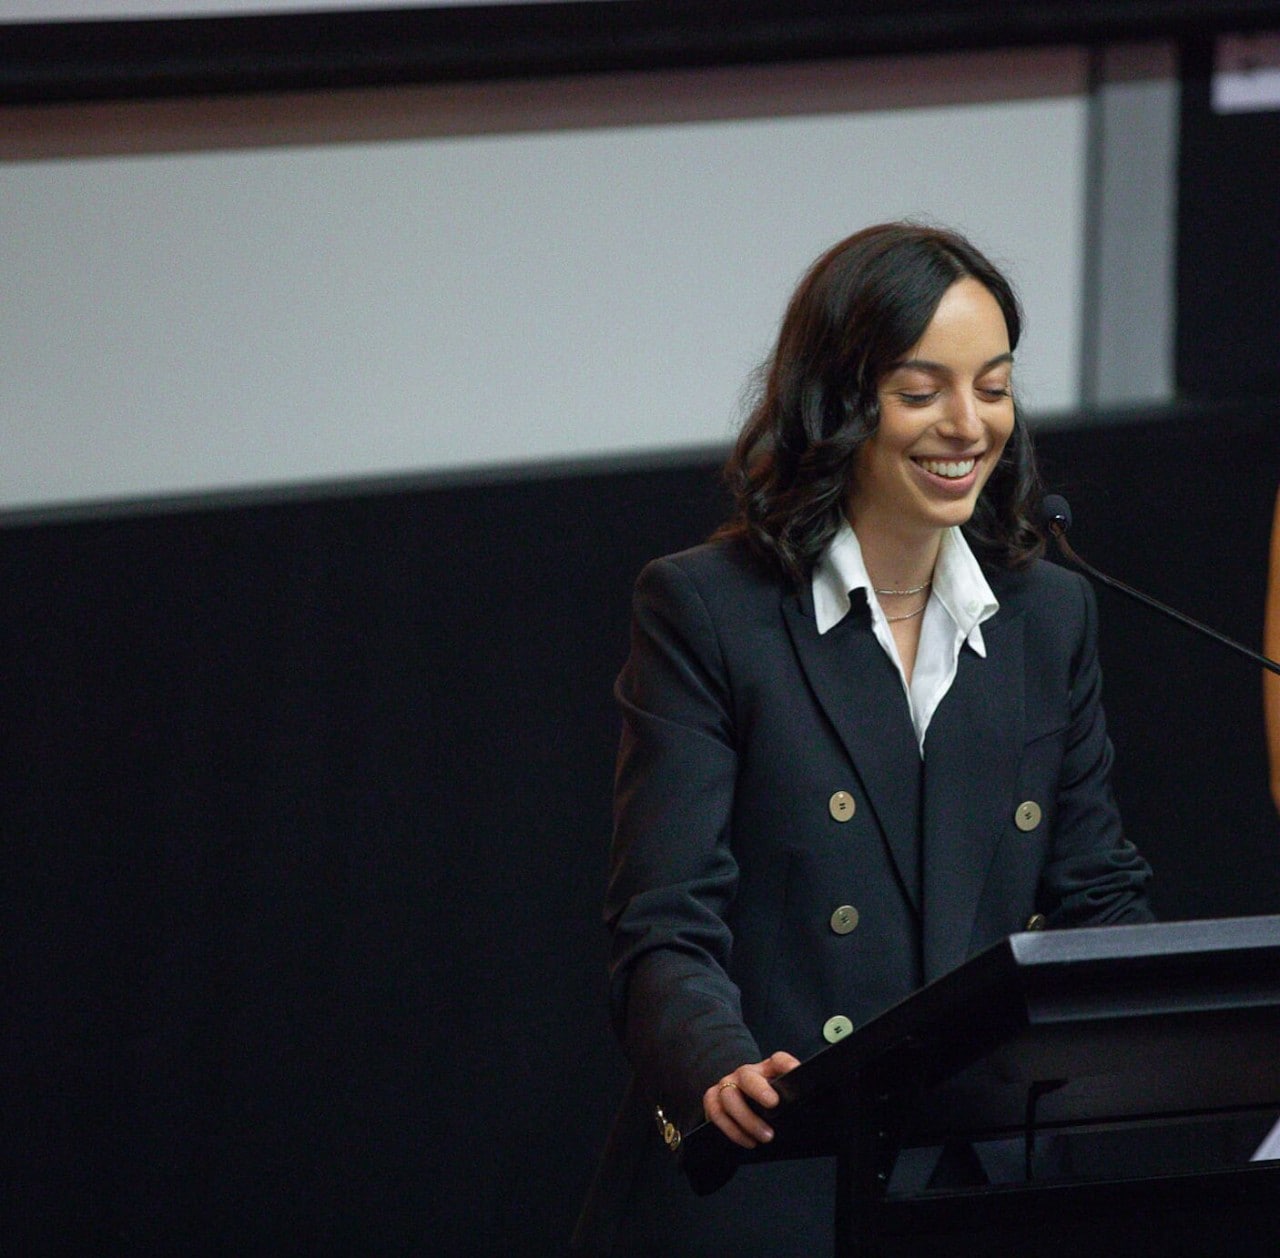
{"x": 673, "y": 873}
{"x": 1094, "y": 875}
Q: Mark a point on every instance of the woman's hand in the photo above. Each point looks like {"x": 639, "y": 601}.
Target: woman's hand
{"x": 725, "y": 1101}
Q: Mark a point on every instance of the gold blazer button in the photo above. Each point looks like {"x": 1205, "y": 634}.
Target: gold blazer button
{"x": 1037, "y": 921}
{"x": 667, "y": 1129}
{"x": 844, "y": 920}
{"x": 1027, "y": 815}
{"x": 841, "y": 806}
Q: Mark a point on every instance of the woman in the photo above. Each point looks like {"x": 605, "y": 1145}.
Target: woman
{"x": 862, "y": 734}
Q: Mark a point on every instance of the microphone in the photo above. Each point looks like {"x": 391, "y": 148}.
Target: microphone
{"x": 1055, "y": 518}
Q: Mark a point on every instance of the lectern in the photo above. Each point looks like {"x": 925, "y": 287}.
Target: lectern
{"x": 1125, "y": 1029}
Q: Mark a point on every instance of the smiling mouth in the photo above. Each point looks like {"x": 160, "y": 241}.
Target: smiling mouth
{"x": 948, "y": 469}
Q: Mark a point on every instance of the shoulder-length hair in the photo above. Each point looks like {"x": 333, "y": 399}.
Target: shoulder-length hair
{"x": 857, "y": 312}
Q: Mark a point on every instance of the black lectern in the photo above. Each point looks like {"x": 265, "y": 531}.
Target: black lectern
{"x": 1125, "y": 1028}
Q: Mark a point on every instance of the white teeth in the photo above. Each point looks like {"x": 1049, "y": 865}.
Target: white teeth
{"x": 952, "y": 471}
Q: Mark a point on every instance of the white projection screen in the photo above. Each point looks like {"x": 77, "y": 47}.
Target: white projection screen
{"x": 207, "y": 295}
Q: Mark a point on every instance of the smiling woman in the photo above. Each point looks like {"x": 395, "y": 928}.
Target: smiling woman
{"x": 862, "y": 737}
{"x": 946, "y": 413}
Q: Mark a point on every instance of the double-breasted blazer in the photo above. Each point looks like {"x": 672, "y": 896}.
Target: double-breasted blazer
{"x": 783, "y": 856}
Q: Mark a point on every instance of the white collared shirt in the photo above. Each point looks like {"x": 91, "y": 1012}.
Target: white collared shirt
{"x": 959, "y": 601}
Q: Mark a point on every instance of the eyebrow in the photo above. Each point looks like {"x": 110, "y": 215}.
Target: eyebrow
{"x": 923, "y": 364}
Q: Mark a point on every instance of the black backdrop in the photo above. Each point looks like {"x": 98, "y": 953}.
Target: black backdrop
{"x": 1228, "y": 249}
{"x": 305, "y": 809}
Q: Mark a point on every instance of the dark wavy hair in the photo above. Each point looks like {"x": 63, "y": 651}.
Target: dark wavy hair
{"x": 857, "y": 312}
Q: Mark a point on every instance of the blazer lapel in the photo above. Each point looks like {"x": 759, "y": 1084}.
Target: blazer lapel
{"x": 972, "y": 751}
{"x": 861, "y": 693}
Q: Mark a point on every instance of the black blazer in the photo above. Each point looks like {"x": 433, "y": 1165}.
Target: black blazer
{"x": 769, "y": 784}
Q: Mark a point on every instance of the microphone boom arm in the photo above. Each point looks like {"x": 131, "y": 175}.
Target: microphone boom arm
{"x": 1057, "y": 528}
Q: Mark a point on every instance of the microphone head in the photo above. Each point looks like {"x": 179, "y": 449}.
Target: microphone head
{"x": 1055, "y": 514}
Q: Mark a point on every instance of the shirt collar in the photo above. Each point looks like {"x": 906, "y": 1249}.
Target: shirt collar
{"x": 958, "y": 584}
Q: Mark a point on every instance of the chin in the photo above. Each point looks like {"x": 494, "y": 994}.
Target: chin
{"x": 953, "y": 516}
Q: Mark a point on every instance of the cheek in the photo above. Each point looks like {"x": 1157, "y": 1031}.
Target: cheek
{"x": 1000, "y": 441}
{"x": 869, "y": 473}
{"x": 1001, "y": 431}
{"x": 869, "y": 458}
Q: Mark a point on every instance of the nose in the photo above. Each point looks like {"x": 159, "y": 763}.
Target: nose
{"x": 962, "y": 420}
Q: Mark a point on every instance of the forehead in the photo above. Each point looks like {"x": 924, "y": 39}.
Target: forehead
{"x": 967, "y": 328}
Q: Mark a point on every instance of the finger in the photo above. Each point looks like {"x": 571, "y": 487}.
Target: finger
{"x": 759, "y": 1086}
{"x": 714, "y": 1108}
{"x": 755, "y": 1084}
{"x": 738, "y": 1102}
{"x": 743, "y": 1125}
{"x": 772, "y": 1068}
{"x": 736, "y": 1135}
{"x": 726, "y": 1106}
{"x": 733, "y": 1131}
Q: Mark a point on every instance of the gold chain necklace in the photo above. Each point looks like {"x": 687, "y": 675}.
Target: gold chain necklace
{"x": 893, "y": 620}
{"x": 915, "y": 589}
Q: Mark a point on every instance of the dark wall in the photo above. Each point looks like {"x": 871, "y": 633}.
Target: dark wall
{"x": 304, "y": 815}
{"x": 1182, "y": 508}
{"x": 1228, "y": 342}
{"x": 305, "y": 810}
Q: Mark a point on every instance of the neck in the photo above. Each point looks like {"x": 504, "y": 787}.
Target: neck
{"x": 895, "y": 562}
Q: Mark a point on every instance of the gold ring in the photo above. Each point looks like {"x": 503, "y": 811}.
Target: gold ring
{"x": 728, "y": 1083}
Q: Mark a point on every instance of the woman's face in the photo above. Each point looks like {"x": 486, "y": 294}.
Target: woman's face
{"x": 946, "y": 411}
